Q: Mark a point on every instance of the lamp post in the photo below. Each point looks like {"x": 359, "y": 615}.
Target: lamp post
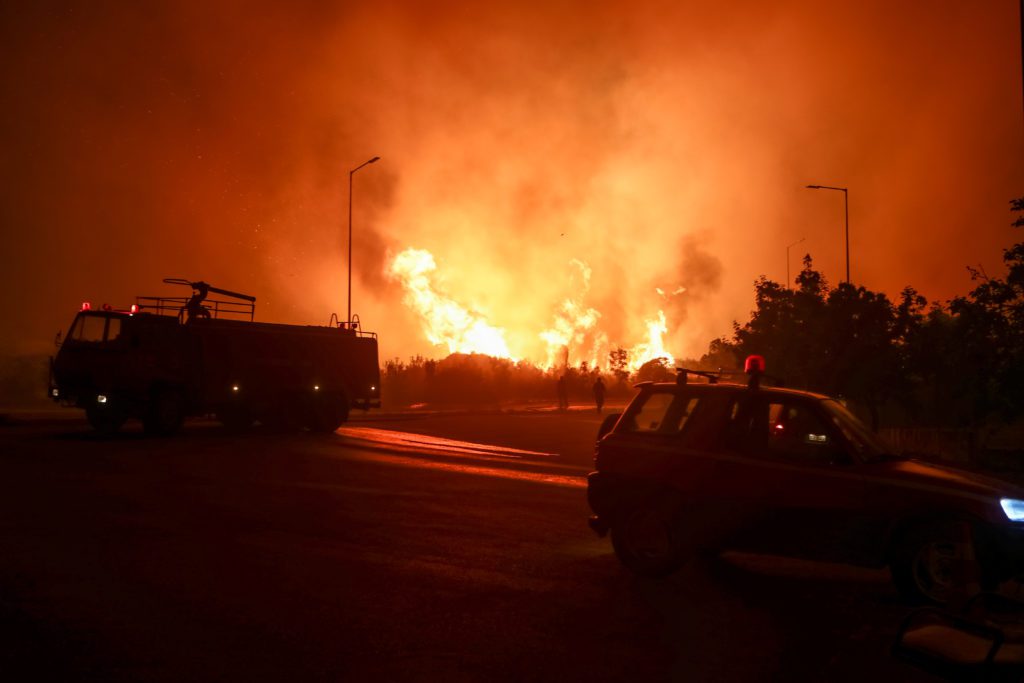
{"x": 350, "y": 174}
{"x": 788, "y": 281}
{"x": 846, "y": 204}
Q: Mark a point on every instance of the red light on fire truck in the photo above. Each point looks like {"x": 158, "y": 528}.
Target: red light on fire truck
{"x": 86, "y": 306}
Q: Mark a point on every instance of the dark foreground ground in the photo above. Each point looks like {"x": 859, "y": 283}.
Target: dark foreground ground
{"x": 370, "y": 555}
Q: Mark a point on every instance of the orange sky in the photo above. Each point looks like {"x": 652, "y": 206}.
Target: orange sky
{"x": 663, "y": 144}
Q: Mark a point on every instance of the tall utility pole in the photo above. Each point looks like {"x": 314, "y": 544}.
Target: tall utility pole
{"x": 846, "y": 205}
{"x": 789, "y": 282}
{"x": 350, "y": 174}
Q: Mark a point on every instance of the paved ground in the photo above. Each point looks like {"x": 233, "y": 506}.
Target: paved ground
{"x": 375, "y": 554}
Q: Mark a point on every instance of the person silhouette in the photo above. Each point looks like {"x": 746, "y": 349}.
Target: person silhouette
{"x": 194, "y": 306}
{"x": 563, "y": 393}
{"x": 599, "y": 393}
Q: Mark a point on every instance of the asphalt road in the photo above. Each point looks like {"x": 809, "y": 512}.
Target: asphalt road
{"x": 385, "y": 552}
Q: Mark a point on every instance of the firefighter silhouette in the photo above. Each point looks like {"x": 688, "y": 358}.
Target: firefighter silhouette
{"x": 563, "y": 393}
{"x": 599, "y": 393}
{"x": 194, "y": 307}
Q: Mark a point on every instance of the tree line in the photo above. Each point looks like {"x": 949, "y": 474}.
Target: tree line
{"x": 956, "y": 364}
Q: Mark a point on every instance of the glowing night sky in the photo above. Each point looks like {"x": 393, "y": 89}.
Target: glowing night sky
{"x": 542, "y": 153}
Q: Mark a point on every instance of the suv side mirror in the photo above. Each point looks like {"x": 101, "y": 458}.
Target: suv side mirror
{"x": 607, "y": 425}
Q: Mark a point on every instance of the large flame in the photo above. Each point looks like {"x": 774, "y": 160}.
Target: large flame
{"x": 654, "y": 347}
{"x": 572, "y": 339}
{"x": 444, "y": 320}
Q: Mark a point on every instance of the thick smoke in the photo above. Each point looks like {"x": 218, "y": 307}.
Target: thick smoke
{"x": 664, "y": 145}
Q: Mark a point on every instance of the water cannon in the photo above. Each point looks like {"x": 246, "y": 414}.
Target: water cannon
{"x": 204, "y": 288}
{"x": 194, "y": 307}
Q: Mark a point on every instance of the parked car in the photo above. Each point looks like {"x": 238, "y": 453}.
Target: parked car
{"x": 691, "y": 467}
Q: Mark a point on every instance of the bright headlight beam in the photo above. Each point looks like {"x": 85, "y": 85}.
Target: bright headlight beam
{"x": 1013, "y": 508}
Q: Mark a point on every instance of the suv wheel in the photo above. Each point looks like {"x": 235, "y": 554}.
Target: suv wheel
{"x": 925, "y": 568}
{"x": 646, "y": 542}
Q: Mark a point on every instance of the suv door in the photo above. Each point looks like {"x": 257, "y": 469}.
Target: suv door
{"x": 658, "y": 456}
{"x": 795, "y": 488}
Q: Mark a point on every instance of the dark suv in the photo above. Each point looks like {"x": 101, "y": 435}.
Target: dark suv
{"x": 693, "y": 466}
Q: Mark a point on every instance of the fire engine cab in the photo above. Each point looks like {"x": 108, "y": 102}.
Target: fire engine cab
{"x": 166, "y": 358}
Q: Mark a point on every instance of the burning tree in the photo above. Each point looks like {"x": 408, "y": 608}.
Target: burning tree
{"x": 618, "y": 364}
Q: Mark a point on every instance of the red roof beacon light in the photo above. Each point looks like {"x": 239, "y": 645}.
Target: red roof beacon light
{"x": 754, "y": 367}
{"x": 134, "y": 309}
{"x": 86, "y": 306}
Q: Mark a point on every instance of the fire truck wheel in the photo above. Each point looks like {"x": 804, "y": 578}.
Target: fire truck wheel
{"x": 281, "y": 417}
{"x": 105, "y": 420}
{"x": 236, "y": 418}
{"x": 328, "y": 413}
{"x": 166, "y": 413}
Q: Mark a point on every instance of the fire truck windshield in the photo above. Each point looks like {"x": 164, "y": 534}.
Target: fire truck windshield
{"x": 94, "y": 328}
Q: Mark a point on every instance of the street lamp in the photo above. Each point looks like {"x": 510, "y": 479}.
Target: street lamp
{"x": 350, "y": 174}
{"x": 846, "y": 203}
{"x": 788, "y": 281}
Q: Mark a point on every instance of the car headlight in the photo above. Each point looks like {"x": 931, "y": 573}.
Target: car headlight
{"x": 1013, "y": 508}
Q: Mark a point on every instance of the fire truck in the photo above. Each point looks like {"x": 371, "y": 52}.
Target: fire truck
{"x": 167, "y": 358}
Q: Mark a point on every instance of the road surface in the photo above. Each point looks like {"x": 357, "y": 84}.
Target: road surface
{"x": 390, "y": 551}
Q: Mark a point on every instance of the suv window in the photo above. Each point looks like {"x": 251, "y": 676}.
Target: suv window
{"x": 862, "y": 440}
{"x": 785, "y": 428}
{"x": 797, "y": 432}
{"x": 660, "y": 412}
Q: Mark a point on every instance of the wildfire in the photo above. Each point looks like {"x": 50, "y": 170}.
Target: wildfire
{"x": 445, "y": 321}
{"x": 654, "y": 347}
{"x": 573, "y": 337}
{"x": 574, "y": 327}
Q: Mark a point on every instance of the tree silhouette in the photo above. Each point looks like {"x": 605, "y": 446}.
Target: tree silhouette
{"x": 987, "y": 349}
{"x": 960, "y": 365}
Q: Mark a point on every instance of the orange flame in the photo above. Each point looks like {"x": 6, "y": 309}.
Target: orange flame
{"x": 654, "y": 347}
{"x": 574, "y": 327}
{"x": 572, "y": 338}
{"x": 444, "y": 320}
